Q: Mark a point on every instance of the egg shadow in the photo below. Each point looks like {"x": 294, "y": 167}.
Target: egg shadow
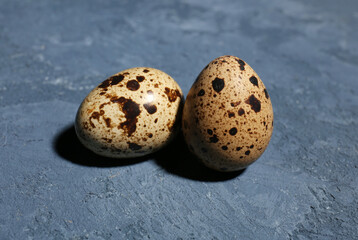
{"x": 67, "y": 145}
{"x": 177, "y": 159}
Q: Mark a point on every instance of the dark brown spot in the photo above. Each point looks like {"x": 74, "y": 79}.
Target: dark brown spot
{"x": 254, "y": 103}
{"x": 150, "y": 107}
{"x": 108, "y": 122}
{"x": 201, "y": 92}
{"x": 241, "y": 112}
{"x": 104, "y": 104}
{"x": 131, "y": 112}
{"x": 140, "y": 78}
{"x": 234, "y": 104}
{"x": 102, "y": 93}
{"x": 238, "y": 148}
{"x": 146, "y": 70}
{"x": 266, "y": 94}
{"x": 233, "y": 131}
{"x": 94, "y": 115}
{"x": 105, "y": 84}
{"x": 210, "y": 132}
{"x": 231, "y": 114}
{"x": 172, "y": 94}
{"x": 156, "y": 85}
{"x": 242, "y": 64}
{"x": 116, "y": 79}
{"x": 117, "y": 100}
{"x": 134, "y": 146}
{"x": 252, "y": 146}
{"x": 254, "y": 81}
{"x": 247, "y": 152}
{"x": 133, "y": 85}
{"x": 156, "y": 120}
{"x": 214, "y": 139}
{"x": 218, "y": 84}
{"x": 150, "y": 135}
{"x": 224, "y": 148}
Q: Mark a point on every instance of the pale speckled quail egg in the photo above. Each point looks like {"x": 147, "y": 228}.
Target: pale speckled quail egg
{"x": 227, "y": 117}
{"x": 133, "y": 113}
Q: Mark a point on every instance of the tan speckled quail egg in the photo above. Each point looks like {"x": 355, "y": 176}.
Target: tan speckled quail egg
{"x": 227, "y": 117}
{"x": 133, "y": 113}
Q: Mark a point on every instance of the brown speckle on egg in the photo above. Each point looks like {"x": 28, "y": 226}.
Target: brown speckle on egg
{"x": 134, "y": 146}
{"x": 234, "y": 104}
{"x": 133, "y": 85}
{"x": 131, "y": 112}
{"x": 254, "y": 81}
{"x": 233, "y": 131}
{"x": 214, "y": 139}
{"x": 254, "y": 103}
{"x": 241, "y": 112}
{"x": 201, "y": 92}
{"x": 172, "y": 94}
{"x": 266, "y": 94}
{"x": 241, "y": 63}
{"x": 218, "y": 84}
{"x": 140, "y": 78}
{"x": 230, "y": 114}
{"x": 116, "y": 79}
{"x": 151, "y": 108}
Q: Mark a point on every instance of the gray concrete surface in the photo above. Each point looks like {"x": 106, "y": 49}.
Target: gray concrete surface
{"x": 305, "y": 186}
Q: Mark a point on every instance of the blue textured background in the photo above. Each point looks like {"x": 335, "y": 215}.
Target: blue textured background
{"x": 305, "y": 186}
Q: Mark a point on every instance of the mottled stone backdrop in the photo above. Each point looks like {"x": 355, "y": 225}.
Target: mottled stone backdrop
{"x": 305, "y": 186}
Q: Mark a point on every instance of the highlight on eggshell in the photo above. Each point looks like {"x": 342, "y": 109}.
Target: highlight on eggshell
{"x": 227, "y": 119}
{"x": 131, "y": 114}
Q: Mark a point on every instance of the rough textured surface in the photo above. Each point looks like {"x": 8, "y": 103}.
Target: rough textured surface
{"x": 305, "y": 185}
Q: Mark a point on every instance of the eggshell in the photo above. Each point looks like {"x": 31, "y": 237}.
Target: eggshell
{"x": 133, "y": 113}
{"x": 227, "y": 116}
